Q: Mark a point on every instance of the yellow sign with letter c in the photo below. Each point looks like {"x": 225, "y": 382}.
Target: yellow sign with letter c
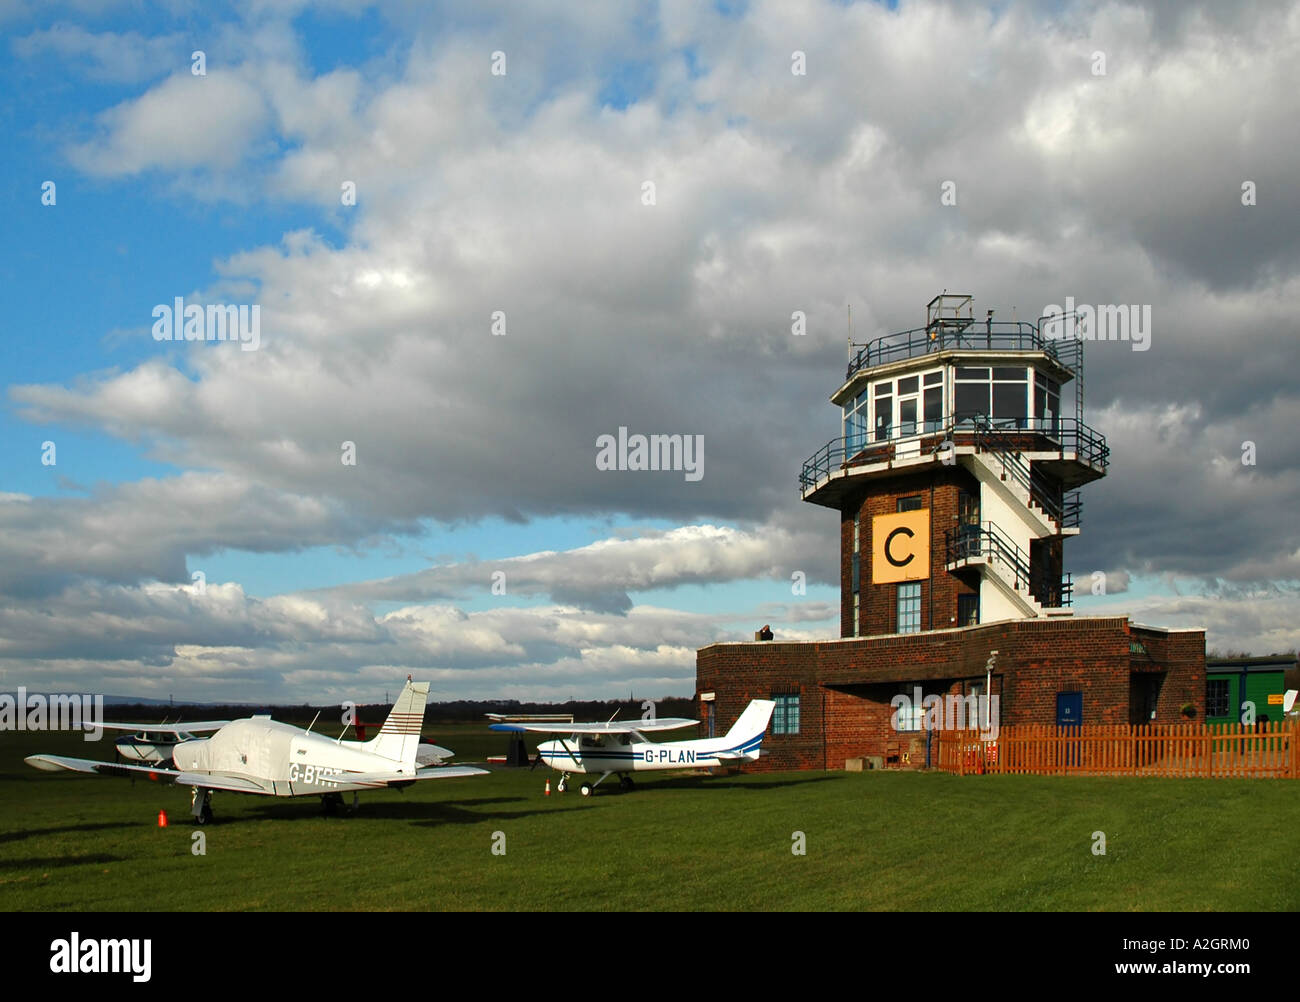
{"x": 900, "y": 546}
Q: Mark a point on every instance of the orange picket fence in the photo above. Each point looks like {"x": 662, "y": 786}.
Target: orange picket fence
{"x": 1268, "y": 750}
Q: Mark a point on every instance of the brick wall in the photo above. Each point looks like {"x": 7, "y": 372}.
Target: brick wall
{"x": 845, "y": 686}
{"x": 878, "y": 613}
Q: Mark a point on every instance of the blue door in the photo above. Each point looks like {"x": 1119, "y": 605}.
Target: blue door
{"x": 1069, "y": 709}
{"x": 1069, "y": 713}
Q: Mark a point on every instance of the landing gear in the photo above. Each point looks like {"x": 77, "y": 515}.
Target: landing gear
{"x": 332, "y": 803}
{"x": 563, "y": 785}
{"x": 589, "y": 788}
{"x": 201, "y": 806}
{"x": 624, "y": 782}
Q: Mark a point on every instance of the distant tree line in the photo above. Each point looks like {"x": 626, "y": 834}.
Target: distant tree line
{"x": 455, "y": 711}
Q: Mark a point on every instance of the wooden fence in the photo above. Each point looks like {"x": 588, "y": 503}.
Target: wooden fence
{"x": 1270, "y": 750}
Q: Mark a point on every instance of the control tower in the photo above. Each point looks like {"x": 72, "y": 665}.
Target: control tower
{"x": 957, "y": 472}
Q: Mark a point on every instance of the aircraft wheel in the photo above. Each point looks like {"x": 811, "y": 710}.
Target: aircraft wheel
{"x": 561, "y": 786}
{"x": 587, "y": 789}
{"x": 205, "y": 815}
{"x": 625, "y": 782}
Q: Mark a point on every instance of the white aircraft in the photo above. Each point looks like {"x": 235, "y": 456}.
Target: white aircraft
{"x": 623, "y": 748}
{"x": 263, "y": 756}
{"x": 154, "y": 743}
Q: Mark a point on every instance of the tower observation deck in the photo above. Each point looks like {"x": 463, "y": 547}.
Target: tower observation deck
{"x": 957, "y": 472}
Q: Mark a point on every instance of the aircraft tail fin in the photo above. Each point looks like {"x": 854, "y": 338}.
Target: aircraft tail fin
{"x": 746, "y": 734}
{"x": 399, "y": 738}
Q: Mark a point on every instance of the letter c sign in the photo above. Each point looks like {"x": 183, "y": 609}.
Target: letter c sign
{"x": 902, "y": 530}
{"x": 900, "y": 546}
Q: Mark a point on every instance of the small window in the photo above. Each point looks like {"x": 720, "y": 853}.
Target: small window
{"x": 912, "y": 503}
{"x": 1010, "y": 400}
{"x": 972, "y": 398}
{"x": 975, "y": 374}
{"x": 785, "y": 715}
{"x": 933, "y": 378}
{"x": 909, "y": 716}
{"x": 933, "y": 408}
{"x": 1217, "y": 703}
{"x": 908, "y": 384}
{"x": 968, "y": 610}
{"x": 909, "y": 607}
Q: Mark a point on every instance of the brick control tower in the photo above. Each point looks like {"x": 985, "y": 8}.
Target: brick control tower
{"x": 957, "y": 481}
{"x": 957, "y": 473}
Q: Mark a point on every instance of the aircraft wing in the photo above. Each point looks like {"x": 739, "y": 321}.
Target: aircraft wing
{"x": 194, "y": 728}
{"x": 608, "y": 727}
{"x": 55, "y": 763}
{"x": 376, "y": 780}
{"x": 209, "y": 781}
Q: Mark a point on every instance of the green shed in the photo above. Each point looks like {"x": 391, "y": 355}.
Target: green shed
{"x": 1232, "y": 682}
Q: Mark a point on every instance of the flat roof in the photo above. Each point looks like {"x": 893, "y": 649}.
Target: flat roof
{"x": 939, "y": 632}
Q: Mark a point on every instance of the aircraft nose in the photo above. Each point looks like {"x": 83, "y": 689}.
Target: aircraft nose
{"x": 190, "y": 754}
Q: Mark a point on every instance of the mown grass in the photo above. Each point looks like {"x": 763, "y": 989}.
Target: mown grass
{"x": 878, "y": 841}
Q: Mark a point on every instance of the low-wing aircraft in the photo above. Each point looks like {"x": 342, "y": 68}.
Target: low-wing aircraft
{"x": 264, "y": 756}
{"x": 623, "y": 748}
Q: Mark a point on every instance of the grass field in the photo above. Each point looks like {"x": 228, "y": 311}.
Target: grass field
{"x": 879, "y": 841}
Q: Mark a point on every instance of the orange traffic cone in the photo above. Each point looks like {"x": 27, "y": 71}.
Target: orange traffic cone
{"x": 162, "y": 819}
{"x": 547, "y": 792}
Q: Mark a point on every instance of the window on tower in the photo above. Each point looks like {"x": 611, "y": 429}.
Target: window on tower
{"x": 909, "y": 607}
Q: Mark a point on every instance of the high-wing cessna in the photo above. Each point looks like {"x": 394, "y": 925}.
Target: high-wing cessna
{"x": 623, "y": 748}
{"x": 264, "y": 756}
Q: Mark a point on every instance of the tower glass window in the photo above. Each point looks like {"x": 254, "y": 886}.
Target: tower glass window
{"x": 1047, "y": 402}
{"x": 857, "y": 422}
{"x": 884, "y": 396}
{"x": 1000, "y": 392}
{"x": 909, "y": 607}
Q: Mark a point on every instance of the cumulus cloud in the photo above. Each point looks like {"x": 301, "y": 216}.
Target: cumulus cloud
{"x": 522, "y": 198}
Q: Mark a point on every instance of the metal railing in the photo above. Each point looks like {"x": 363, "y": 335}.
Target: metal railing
{"x": 977, "y": 336}
{"x": 992, "y": 434}
{"x": 987, "y": 540}
{"x": 1044, "y": 492}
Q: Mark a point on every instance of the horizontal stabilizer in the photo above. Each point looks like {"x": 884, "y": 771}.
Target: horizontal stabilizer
{"x": 428, "y": 754}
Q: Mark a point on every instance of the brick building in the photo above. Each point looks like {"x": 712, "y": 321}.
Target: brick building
{"x": 957, "y": 481}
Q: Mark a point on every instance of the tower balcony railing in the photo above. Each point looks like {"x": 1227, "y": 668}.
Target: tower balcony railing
{"x": 969, "y": 336}
{"x": 1019, "y": 434}
{"x": 985, "y": 540}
